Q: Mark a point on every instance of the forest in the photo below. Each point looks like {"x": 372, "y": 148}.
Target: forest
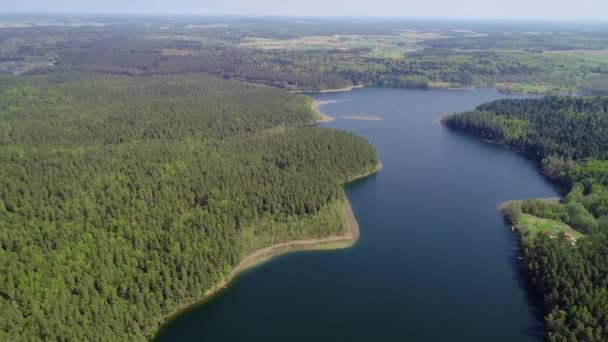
{"x": 328, "y": 69}
{"x": 319, "y": 54}
{"x": 124, "y": 197}
{"x": 137, "y": 167}
{"x": 568, "y": 137}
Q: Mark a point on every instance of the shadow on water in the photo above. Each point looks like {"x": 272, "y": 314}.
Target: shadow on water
{"x": 555, "y": 186}
{"x": 517, "y": 261}
{"x": 524, "y": 281}
{"x": 519, "y": 266}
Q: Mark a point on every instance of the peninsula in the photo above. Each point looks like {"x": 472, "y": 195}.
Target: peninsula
{"x": 563, "y": 241}
{"x": 346, "y": 239}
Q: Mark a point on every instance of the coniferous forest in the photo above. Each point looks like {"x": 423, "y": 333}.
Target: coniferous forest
{"x": 125, "y": 197}
{"x": 569, "y": 137}
{"x": 137, "y": 168}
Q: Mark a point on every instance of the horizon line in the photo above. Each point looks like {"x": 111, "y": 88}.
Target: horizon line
{"x": 286, "y": 16}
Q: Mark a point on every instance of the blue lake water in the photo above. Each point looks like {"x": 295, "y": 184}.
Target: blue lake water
{"x": 435, "y": 261}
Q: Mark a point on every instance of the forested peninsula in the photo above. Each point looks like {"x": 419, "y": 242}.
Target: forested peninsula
{"x": 123, "y": 198}
{"x": 565, "y": 242}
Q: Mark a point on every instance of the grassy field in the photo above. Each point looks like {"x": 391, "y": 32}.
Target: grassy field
{"x": 536, "y": 225}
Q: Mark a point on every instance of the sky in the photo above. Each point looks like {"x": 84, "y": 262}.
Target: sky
{"x": 484, "y": 9}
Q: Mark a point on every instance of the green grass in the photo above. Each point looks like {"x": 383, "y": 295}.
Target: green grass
{"x": 536, "y": 225}
{"x": 535, "y": 88}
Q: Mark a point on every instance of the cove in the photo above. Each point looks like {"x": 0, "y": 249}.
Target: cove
{"x": 435, "y": 260}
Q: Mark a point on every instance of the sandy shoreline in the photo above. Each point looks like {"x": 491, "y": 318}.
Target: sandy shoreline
{"x": 347, "y": 239}
{"x": 376, "y": 169}
{"x": 316, "y": 106}
{"x": 329, "y": 90}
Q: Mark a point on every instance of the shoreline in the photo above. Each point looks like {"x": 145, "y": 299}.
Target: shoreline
{"x": 259, "y": 256}
{"x": 324, "y": 118}
{"x": 521, "y": 226}
{"x": 338, "y": 90}
{"x": 503, "y": 205}
{"x": 442, "y": 121}
{"x": 376, "y": 169}
{"x": 316, "y": 106}
{"x": 459, "y": 88}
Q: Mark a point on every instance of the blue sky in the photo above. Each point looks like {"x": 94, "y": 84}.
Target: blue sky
{"x": 509, "y": 9}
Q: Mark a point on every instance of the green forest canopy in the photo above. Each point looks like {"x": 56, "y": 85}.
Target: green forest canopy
{"x": 124, "y": 197}
{"x": 569, "y": 137}
{"x": 318, "y": 54}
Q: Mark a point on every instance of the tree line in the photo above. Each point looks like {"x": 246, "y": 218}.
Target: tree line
{"x": 449, "y": 60}
{"x": 568, "y": 136}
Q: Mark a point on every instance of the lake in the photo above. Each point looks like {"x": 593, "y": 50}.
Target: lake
{"x": 435, "y": 261}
